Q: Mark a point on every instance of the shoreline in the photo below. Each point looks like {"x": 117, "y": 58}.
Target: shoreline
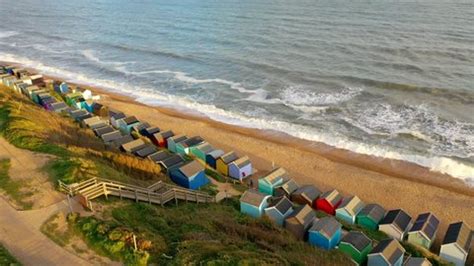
{"x": 391, "y": 183}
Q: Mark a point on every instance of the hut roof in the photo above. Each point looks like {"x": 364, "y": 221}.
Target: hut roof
{"x": 151, "y": 130}
{"x": 357, "y": 239}
{"x": 390, "y": 249}
{"x": 91, "y": 120}
{"x": 398, "y": 217}
{"x": 178, "y": 138}
{"x": 241, "y": 162}
{"x": 103, "y": 130}
{"x": 146, "y": 150}
{"x": 78, "y": 113}
{"x": 309, "y": 192}
{"x": 332, "y": 196}
{"x": 327, "y": 226}
{"x": 229, "y": 157}
{"x": 304, "y": 215}
{"x": 133, "y": 145}
{"x": 253, "y": 197}
{"x": 352, "y": 205}
{"x": 374, "y": 211}
{"x": 164, "y": 134}
{"x": 117, "y": 140}
{"x": 172, "y": 161}
{"x": 275, "y": 175}
{"x": 97, "y": 106}
{"x": 159, "y": 156}
{"x": 216, "y": 154}
{"x": 59, "y": 105}
{"x": 205, "y": 147}
{"x": 140, "y": 126}
{"x": 193, "y": 141}
{"x": 116, "y": 114}
{"x": 32, "y": 88}
{"x": 426, "y": 223}
{"x": 413, "y": 261}
{"x": 459, "y": 233}
{"x": 290, "y": 186}
{"x": 191, "y": 168}
{"x": 130, "y": 120}
{"x": 282, "y": 204}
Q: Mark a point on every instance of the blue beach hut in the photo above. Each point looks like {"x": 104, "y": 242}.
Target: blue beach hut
{"x": 270, "y": 182}
{"x": 212, "y": 157}
{"x": 325, "y": 233}
{"x": 253, "y": 203}
{"x": 279, "y": 209}
{"x": 190, "y": 175}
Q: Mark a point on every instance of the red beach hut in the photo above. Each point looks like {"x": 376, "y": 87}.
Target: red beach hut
{"x": 329, "y": 201}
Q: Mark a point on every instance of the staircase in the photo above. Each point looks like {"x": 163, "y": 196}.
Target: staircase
{"x": 159, "y": 193}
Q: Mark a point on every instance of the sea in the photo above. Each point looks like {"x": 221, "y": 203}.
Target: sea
{"x": 392, "y": 79}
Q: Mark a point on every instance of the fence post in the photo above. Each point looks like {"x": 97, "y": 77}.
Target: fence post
{"x": 136, "y": 196}
{"x": 105, "y": 191}
{"x": 175, "y": 198}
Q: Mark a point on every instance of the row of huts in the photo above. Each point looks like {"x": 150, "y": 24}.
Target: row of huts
{"x": 282, "y": 200}
{"x": 127, "y": 133}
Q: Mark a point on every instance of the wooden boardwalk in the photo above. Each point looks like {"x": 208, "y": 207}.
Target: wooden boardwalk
{"x": 159, "y": 193}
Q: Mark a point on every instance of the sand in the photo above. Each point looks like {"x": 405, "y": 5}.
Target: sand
{"x": 390, "y": 183}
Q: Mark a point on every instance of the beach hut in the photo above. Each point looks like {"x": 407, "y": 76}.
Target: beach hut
{"x": 89, "y": 121}
{"x": 349, "y": 209}
{"x": 146, "y": 150}
{"x": 370, "y": 216}
{"x": 159, "y": 156}
{"x": 115, "y": 136}
{"x": 149, "y": 131}
{"x": 44, "y": 99}
{"x": 115, "y": 116}
{"x": 286, "y": 189}
{"x": 172, "y": 141}
{"x": 387, "y": 252}
{"x": 414, "y": 261}
{"x": 79, "y": 115}
{"x": 325, "y": 233}
{"x": 329, "y": 201}
{"x": 222, "y": 164}
{"x": 279, "y": 209}
{"x": 254, "y": 203}
{"x": 9, "y": 81}
{"x": 59, "y": 107}
{"x": 100, "y": 109}
{"x": 240, "y": 168}
{"x": 35, "y": 95}
{"x": 171, "y": 162}
{"x": 125, "y": 124}
{"x": 89, "y": 105}
{"x": 306, "y": 194}
{"x": 274, "y": 179}
{"x": 356, "y": 245}
{"x": 395, "y": 224}
{"x": 189, "y": 175}
{"x": 212, "y": 157}
{"x": 184, "y": 147}
{"x": 133, "y": 146}
{"x": 139, "y": 127}
{"x": 103, "y": 130}
{"x": 457, "y": 243}
{"x": 300, "y": 221}
{"x": 37, "y": 80}
{"x": 72, "y": 98}
{"x": 160, "y": 139}
{"x": 423, "y": 231}
{"x": 29, "y": 91}
{"x": 199, "y": 151}
{"x": 62, "y": 88}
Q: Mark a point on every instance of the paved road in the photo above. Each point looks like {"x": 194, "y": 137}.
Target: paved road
{"x": 20, "y": 233}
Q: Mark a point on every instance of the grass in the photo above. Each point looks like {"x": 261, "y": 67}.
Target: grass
{"x": 216, "y": 176}
{"x": 50, "y": 229}
{"x": 420, "y": 252}
{"x": 13, "y": 188}
{"x": 6, "y": 258}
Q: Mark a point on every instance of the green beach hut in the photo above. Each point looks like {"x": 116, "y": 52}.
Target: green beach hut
{"x": 184, "y": 147}
{"x": 370, "y": 216}
{"x": 274, "y": 179}
{"x": 357, "y": 245}
{"x": 424, "y": 229}
{"x": 200, "y": 151}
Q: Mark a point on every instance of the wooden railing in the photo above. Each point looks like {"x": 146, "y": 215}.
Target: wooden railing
{"x": 158, "y": 193}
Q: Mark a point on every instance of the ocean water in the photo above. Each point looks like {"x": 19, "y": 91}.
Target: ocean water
{"x": 385, "y": 78}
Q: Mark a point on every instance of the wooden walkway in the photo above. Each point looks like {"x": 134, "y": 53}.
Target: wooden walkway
{"x": 159, "y": 193}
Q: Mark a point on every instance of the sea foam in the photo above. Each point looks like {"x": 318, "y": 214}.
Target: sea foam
{"x": 147, "y": 95}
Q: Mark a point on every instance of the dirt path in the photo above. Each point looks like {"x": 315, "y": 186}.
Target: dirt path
{"x": 26, "y": 167}
{"x": 20, "y": 233}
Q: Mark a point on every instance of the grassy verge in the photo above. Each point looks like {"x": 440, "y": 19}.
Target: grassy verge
{"x": 6, "y": 258}
{"x": 214, "y": 175}
{"x": 13, "y": 188}
{"x": 50, "y": 229}
{"x": 420, "y": 252}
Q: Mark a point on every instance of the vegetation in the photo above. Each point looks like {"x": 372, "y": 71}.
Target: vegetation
{"x": 11, "y": 187}
{"x": 421, "y": 252}
{"x": 216, "y": 176}
{"x": 50, "y": 229}
{"x": 6, "y": 258}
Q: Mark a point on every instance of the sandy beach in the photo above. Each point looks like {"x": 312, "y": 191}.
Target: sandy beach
{"x": 393, "y": 184}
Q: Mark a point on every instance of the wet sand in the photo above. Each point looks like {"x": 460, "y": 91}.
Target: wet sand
{"x": 391, "y": 183}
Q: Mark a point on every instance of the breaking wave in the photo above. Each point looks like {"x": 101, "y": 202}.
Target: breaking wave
{"x": 6, "y": 34}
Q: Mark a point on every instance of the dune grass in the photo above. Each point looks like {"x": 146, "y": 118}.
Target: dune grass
{"x": 13, "y": 188}
{"x": 6, "y": 258}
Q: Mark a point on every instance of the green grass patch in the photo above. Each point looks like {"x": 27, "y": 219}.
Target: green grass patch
{"x": 420, "y": 252}
{"x": 13, "y": 188}
{"x": 63, "y": 169}
{"x": 50, "y": 229}
{"x": 6, "y": 258}
{"x": 214, "y": 175}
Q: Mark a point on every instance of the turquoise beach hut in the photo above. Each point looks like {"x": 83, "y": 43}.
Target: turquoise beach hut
{"x": 172, "y": 141}
{"x": 279, "y": 209}
{"x": 253, "y": 203}
{"x": 349, "y": 209}
{"x": 370, "y": 216}
{"x": 125, "y": 125}
{"x": 184, "y": 147}
{"x": 388, "y": 252}
{"x": 189, "y": 175}
{"x": 200, "y": 151}
{"x": 270, "y": 182}
{"x": 325, "y": 233}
